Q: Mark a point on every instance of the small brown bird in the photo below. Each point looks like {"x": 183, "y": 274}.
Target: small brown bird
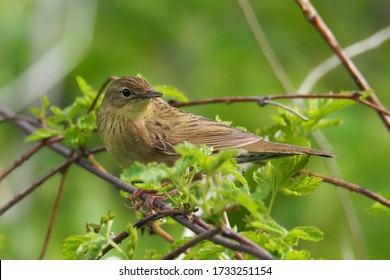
{"x": 135, "y": 124}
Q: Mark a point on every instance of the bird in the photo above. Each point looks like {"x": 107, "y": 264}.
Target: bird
{"x": 136, "y": 124}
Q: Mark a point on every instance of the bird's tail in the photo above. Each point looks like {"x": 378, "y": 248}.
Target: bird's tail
{"x": 263, "y": 150}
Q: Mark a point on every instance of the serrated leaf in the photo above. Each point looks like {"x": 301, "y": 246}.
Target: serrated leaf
{"x": 244, "y": 199}
{"x": 188, "y": 149}
{"x": 264, "y": 176}
{"x": 206, "y": 250}
{"x": 42, "y": 133}
{"x": 149, "y": 186}
{"x": 233, "y": 168}
{"x": 308, "y": 233}
{"x": 81, "y": 246}
{"x": 301, "y": 185}
{"x": 270, "y": 226}
{"x": 150, "y": 173}
{"x": 70, "y": 247}
{"x": 297, "y": 255}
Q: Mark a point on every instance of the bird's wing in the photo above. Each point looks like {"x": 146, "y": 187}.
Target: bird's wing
{"x": 173, "y": 126}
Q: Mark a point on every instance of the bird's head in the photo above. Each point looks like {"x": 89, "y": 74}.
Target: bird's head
{"x": 129, "y": 94}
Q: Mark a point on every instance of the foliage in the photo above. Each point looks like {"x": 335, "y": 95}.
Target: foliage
{"x": 74, "y": 123}
{"x": 211, "y": 182}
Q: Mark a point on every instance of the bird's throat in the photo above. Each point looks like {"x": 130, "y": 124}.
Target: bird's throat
{"x": 138, "y": 109}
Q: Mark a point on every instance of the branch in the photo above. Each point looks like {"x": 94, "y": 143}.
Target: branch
{"x": 54, "y": 213}
{"x": 254, "y": 250}
{"x": 263, "y": 100}
{"x": 314, "y": 18}
{"x": 182, "y": 248}
{"x": 351, "y": 187}
{"x": 353, "y": 50}
{"x": 35, "y": 185}
{"x": 25, "y": 156}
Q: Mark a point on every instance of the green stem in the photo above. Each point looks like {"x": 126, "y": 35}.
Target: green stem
{"x": 271, "y": 201}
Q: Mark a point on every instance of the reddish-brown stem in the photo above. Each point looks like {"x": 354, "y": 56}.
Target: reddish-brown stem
{"x": 262, "y": 100}
{"x": 199, "y": 238}
{"x": 103, "y": 86}
{"x": 25, "y": 156}
{"x": 313, "y": 17}
{"x": 139, "y": 224}
{"x": 351, "y": 187}
{"x": 35, "y": 185}
{"x": 54, "y": 213}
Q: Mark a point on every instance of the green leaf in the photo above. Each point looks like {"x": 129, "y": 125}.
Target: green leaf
{"x": 243, "y": 198}
{"x": 150, "y": 173}
{"x": 231, "y": 167}
{"x": 81, "y": 246}
{"x": 171, "y": 92}
{"x": 297, "y": 255}
{"x": 308, "y": 233}
{"x": 206, "y": 250}
{"x": 264, "y": 176}
{"x": 270, "y": 225}
{"x": 86, "y": 89}
{"x": 106, "y": 218}
{"x": 302, "y": 184}
{"x": 131, "y": 241}
{"x": 218, "y": 119}
{"x": 378, "y": 208}
{"x": 91, "y": 244}
{"x": 42, "y": 133}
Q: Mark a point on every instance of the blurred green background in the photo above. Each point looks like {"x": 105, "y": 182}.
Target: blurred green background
{"x": 206, "y": 49}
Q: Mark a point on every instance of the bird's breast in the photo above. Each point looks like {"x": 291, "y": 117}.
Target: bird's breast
{"x": 125, "y": 140}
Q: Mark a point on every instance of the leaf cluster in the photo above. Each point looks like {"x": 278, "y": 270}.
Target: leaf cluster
{"x": 75, "y": 123}
{"x": 212, "y": 183}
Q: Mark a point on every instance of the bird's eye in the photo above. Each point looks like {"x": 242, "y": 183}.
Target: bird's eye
{"x": 125, "y": 92}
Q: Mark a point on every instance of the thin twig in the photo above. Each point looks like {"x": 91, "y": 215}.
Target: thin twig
{"x": 156, "y": 216}
{"x": 363, "y": 46}
{"x": 351, "y": 187}
{"x": 314, "y": 18}
{"x": 184, "y": 247}
{"x": 103, "y": 86}
{"x": 158, "y": 230}
{"x": 263, "y": 44}
{"x": 54, "y": 213}
{"x": 288, "y": 109}
{"x": 26, "y": 155}
{"x": 255, "y": 251}
{"x": 261, "y": 100}
{"x": 35, "y": 185}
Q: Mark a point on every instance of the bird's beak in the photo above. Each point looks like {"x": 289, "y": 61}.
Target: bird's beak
{"x": 151, "y": 94}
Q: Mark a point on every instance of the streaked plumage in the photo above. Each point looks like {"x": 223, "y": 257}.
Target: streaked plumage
{"x": 135, "y": 124}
